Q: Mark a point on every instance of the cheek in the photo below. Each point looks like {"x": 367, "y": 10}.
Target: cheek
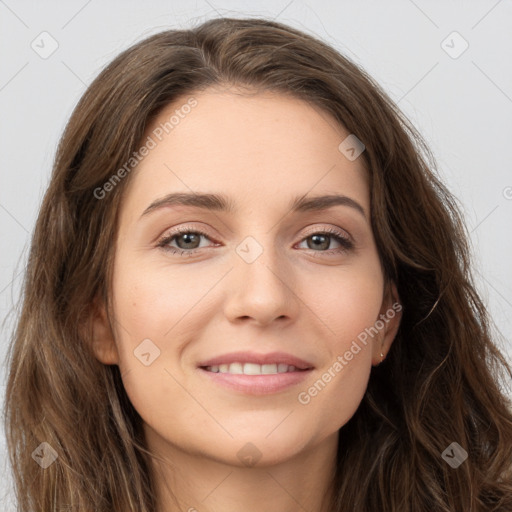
{"x": 348, "y": 308}
{"x": 154, "y": 301}
{"x": 340, "y": 384}
{"x": 347, "y": 301}
{"x": 156, "y": 313}
{"x": 151, "y": 322}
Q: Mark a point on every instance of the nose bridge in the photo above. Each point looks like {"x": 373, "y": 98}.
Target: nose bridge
{"x": 262, "y": 282}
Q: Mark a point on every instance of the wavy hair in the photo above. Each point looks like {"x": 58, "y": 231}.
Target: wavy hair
{"x": 442, "y": 381}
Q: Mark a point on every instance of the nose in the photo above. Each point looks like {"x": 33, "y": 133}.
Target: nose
{"x": 261, "y": 291}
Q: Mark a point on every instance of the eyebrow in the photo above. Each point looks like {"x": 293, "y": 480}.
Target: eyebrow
{"x": 222, "y": 203}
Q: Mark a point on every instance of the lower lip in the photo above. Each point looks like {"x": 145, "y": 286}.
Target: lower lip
{"x": 257, "y": 384}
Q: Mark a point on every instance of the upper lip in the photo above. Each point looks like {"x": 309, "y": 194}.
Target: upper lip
{"x": 252, "y": 357}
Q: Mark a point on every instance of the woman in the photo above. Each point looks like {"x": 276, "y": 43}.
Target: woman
{"x": 248, "y": 290}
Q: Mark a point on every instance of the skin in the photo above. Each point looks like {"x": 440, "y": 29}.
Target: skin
{"x": 261, "y": 150}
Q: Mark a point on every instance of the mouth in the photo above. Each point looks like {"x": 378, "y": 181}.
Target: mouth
{"x": 256, "y": 374}
{"x": 239, "y": 368}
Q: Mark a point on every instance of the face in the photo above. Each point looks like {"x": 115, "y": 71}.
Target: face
{"x": 266, "y": 275}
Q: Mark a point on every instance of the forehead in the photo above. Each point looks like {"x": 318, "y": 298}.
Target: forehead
{"x": 261, "y": 149}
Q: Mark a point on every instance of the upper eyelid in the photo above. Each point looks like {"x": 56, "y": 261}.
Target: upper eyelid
{"x": 330, "y": 231}
{"x": 186, "y": 229}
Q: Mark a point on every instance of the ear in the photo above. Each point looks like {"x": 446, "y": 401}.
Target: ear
{"x": 102, "y": 342}
{"x": 387, "y": 324}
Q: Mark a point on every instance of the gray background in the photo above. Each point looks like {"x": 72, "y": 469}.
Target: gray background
{"x": 462, "y": 106}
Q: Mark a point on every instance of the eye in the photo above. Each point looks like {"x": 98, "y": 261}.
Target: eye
{"x": 188, "y": 241}
{"x": 322, "y": 240}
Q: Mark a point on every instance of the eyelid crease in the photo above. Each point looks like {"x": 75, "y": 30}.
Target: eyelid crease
{"x": 334, "y": 231}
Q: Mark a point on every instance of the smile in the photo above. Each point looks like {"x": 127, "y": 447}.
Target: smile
{"x": 252, "y": 368}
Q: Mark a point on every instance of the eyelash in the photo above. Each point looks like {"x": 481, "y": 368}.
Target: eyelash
{"x": 346, "y": 244}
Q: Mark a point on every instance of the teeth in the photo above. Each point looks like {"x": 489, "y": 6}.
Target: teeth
{"x": 252, "y": 368}
{"x": 268, "y": 369}
{"x": 236, "y": 368}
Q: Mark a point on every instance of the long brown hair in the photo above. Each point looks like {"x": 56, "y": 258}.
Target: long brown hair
{"x": 441, "y": 382}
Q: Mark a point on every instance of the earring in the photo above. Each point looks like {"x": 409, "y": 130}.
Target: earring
{"x": 381, "y": 357}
